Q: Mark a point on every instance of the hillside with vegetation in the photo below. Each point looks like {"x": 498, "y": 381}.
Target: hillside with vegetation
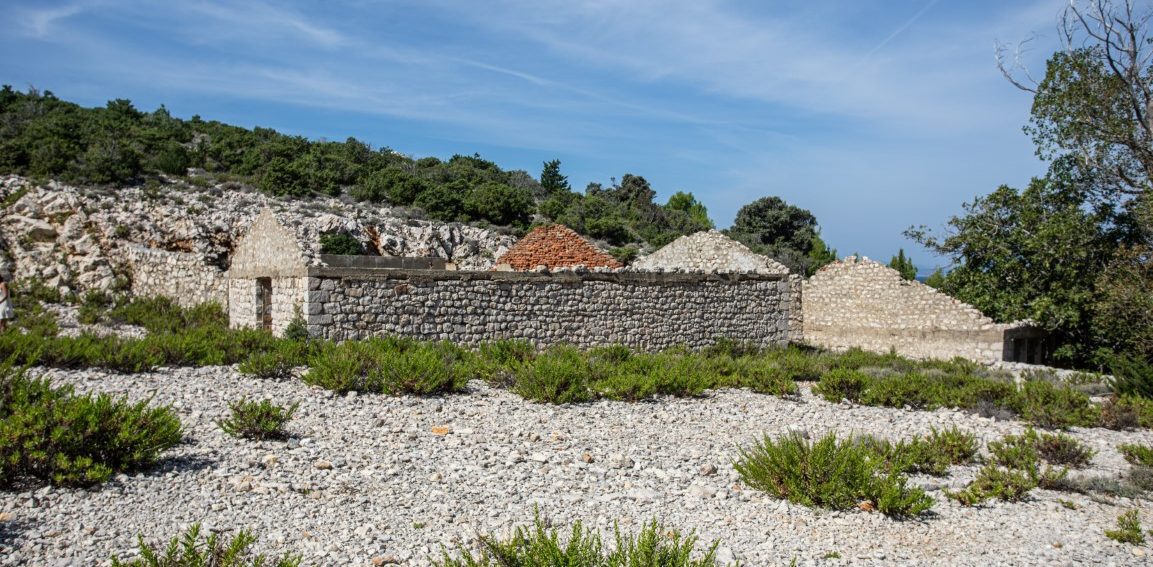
{"x": 44, "y": 137}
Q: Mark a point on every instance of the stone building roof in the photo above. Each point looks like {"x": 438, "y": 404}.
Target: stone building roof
{"x": 708, "y": 251}
{"x": 555, "y": 246}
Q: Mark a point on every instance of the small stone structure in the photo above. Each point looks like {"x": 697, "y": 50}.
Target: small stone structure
{"x": 554, "y": 246}
{"x": 270, "y": 277}
{"x": 857, "y": 302}
{"x": 708, "y": 251}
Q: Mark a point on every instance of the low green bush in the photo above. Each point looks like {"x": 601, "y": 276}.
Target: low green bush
{"x": 842, "y": 384}
{"x": 1051, "y": 406}
{"x": 190, "y": 550}
{"x": 1137, "y": 454}
{"x": 957, "y": 447}
{"x": 540, "y": 547}
{"x": 257, "y": 420}
{"x": 50, "y": 434}
{"x": 1128, "y": 529}
{"x": 390, "y": 366}
{"x": 828, "y": 474}
{"x": 765, "y": 377}
{"x": 994, "y": 482}
{"x": 559, "y": 375}
{"x": 1061, "y": 449}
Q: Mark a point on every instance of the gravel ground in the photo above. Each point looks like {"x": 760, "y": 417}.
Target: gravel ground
{"x": 367, "y": 480}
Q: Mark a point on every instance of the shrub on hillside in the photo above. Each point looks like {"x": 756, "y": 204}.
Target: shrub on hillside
{"x": 257, "y": 420}
{"x": 50, "y": 434}
{"x": 828, "y": 474}
{"x": 540, "y": 546}
{"x": 1137, "y": 454}
{"x": 993, "y": 482}
{"x": 190, "y": 550}
{"x": 765, "y": 377}
{"x": 1128, "y": 529}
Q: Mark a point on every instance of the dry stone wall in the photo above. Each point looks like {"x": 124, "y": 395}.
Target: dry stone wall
{"x": 708, "y": 251}
{"x": 644, "y": 311}
{"x": 860, "y": 303}
{"x": 180, "y": 275}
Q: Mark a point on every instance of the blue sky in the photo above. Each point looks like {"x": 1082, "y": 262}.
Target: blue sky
{"x": 873, "y": 114}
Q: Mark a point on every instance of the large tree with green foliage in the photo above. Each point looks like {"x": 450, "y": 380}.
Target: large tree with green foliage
{"x": 1072, "y": 250}
{"x": 904, "y": 265}
{"x": 787, "y": 233}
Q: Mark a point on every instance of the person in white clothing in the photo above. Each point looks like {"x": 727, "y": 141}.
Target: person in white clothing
{"x": 6, "y": 311}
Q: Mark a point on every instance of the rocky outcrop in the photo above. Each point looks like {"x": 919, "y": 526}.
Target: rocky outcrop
{"x": 78, "y": 239}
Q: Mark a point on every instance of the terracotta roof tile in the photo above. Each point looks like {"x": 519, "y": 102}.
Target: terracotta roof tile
{"x": 555, "y": 246}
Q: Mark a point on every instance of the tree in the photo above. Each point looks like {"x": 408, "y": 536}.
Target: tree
{"x": 820, "y": 256}
{"x": 500, "y": 204}
{"x": 775, "y": 228}
{"x": 1035, "y": 254}
{"x": 551, "y": 179}
{"x": 1097, "y": 94}
{"x": 903, "y": 265}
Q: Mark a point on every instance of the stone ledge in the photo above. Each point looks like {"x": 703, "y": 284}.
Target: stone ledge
{"x": 539, "y": 277}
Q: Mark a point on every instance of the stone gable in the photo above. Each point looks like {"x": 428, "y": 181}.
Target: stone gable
{"x": 268, "y": 249}
{"x": 709, "y": 251}
{"x": 555, "y": 246}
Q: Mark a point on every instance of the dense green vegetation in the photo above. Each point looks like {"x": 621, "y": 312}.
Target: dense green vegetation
{"x": 1074, "y": 249}
{"x": 540, "y": 545}
{"x": 831, "y": 473}
{"x": 52, "y": 435}
{"x": 45, "y": 137}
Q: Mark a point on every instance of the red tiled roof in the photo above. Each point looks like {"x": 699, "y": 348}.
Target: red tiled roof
{"x": 555, "y": 246}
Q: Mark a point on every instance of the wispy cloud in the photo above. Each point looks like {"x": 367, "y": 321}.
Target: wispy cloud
{"x": 40, "y": 22}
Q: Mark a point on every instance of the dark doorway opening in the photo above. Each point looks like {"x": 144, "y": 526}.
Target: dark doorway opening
{"x": 264, "y": 303}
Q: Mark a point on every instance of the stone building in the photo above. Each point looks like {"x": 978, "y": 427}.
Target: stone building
{"x": 345, "y": 298}
{"x": 857, "y": 302}
{"x": 554, "y": 246}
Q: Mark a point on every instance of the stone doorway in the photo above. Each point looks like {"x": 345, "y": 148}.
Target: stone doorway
{"x": 264, "y": 303}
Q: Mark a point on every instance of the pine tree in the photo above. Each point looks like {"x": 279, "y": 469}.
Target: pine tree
{"x": 552, "y": 180}
{"x": 904, "y": 265}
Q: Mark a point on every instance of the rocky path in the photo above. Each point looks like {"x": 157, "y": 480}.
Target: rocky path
{"x": 369, "y": 480}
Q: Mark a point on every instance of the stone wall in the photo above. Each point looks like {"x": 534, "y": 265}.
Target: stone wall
{"x": 646, "y": 311}
{"x": 708, "y": 251}
{"x": 182, "y": 276}
{"x": 860, "y": 303}
{"x": 268, "y": 249}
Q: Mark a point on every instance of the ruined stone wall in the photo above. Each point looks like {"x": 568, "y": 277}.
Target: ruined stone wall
{"x": 860, "y": 303}
{"x": 645, "y": 311}
{"x": 182, "y": 276}
{"x": 288, "y": 293}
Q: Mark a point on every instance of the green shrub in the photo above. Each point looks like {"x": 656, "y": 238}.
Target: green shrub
{"x": 340, "y": 243}
{"x": 827, "y": 474}
{"x": 189, "y": 550}
{"x": 297, "y": 328}
{"x": 560, "y": 375}
{"x": 257, "y": 420}
{"x": 842, "y": 384}
{"x": 1003, "y": 484}
{"x": 540, "y": 546}
{"x": 1055, "y": 407}
{"x": 1118, "y": 414}
{"x": 276, "y": 364}
{"x": 957, "y": 447}
{"x": 390, "y": 366}
{"x": 1137, "y": 454}
{"x": 49, "y": 434}
{"x": 1128, "y": 529}
{"x": 1132, "y": 377}
{"x": 912, "y": 389}
{"x": 765, "y": 377}
{"x": 1061, "y": 449}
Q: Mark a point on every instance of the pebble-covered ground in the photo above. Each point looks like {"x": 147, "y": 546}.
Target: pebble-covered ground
{"x": 371, "y": 480}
